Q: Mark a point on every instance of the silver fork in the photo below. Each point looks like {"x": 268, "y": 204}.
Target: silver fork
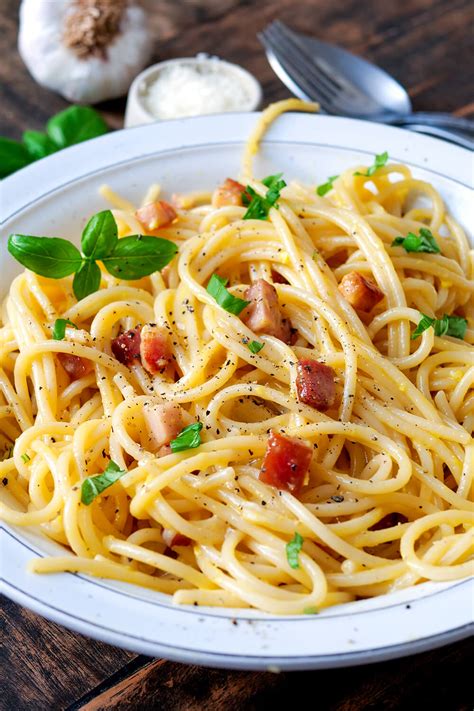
{"x": 297, "y": 61}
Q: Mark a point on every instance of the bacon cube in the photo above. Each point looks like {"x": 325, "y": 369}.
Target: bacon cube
{"x": 315, "y": 384}
{"x": 126, "y": 347}
{"x": 286, "y": 462}
{"x": 229, "y": 193}
{"x": 156, "y": 214}
{"x": 75, "y": 366}
{"x": 362, "y": 293}
{"x": 163, "y": 422}
{"x": 155, "y": 349}
{"x": 263, "y": 314}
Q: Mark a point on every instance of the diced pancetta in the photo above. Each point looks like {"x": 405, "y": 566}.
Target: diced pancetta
{"x": 361, "y": 292}
{"x": 172, "y": 538}
{"x": 75, "y": 366}
{"x": 286, "y": 462}
{"x": 155, "y": 349}
{"x": 315, "y": 384}
{"x": 229, "y": 193}
{"x": 163, "y": 422}
{"x": 263, "y": 314}
{"x": 126, "y": 347}
{"x": 156, "y": 214}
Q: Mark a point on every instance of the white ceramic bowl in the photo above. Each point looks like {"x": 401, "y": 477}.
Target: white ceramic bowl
{"x": 138, "y": 113}
{"x": 55, "y": 196}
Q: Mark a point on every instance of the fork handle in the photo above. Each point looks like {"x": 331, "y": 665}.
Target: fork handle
{"x": 441, "y": 120}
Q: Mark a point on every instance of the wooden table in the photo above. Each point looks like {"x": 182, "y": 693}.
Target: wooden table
{"x": 425, "y": 44}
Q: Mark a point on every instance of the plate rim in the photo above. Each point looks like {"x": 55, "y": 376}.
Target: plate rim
{"x": 296, "y": 126}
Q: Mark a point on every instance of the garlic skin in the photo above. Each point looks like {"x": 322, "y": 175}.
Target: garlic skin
{"x": 86, "y": 80}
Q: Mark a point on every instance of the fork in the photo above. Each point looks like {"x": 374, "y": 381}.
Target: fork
{"x": 310, "y": 76}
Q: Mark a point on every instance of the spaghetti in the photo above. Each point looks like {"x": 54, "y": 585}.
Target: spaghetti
{"x": 386, "y": 501}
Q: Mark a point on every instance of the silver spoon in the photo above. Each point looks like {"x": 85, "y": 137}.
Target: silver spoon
{"x": 347, "y": 85}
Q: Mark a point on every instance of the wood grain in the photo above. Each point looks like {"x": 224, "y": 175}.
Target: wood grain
{"x": 428, "y": 46}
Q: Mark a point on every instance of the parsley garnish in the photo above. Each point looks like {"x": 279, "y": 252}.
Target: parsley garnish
{"x": 292, "y": 550}
{"x": 327, "y": 186}
{"x": 59, "y": 329}
{"x": 424, "y": 242}
{"x": 254, "y": 346}
{"x": 379, "y": 162}
{"x": 258, "y": 206}
{"x": 95, "y": 485}
{"x": 189, "y": 438}
{"x": 217, "y": 289}
{"x": 446, "y": 326}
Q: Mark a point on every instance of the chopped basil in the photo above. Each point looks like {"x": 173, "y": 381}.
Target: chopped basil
{"x": 95, "y": 485}
{"x": 293, "y": 549}
{"x": 217, "y": 289}
{"x": 424, "y": 242}
{"x": 59, "y": 328}
{"x": 254, "y": 346}
{"x": 25, "y": 457}
{"x": 327, "y": 186}
{"x": 379, "y": 162}
{"x": 189, "y": 438}
{"x": 310, "y": 611}
{"x": 129, "y": 258}
{"x": 446, "y": 326}
{"x": 258, "y": 206}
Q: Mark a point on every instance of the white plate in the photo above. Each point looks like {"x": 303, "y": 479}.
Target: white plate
{"x": 54, "y": 197}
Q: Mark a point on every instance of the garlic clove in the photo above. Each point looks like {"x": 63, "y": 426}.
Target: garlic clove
{"x": 82, "y": 79}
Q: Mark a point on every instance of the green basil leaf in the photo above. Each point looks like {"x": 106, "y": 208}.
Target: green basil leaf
{"x": 74, "y": 125}
{"x": 100, "y": 235}
{"x": 232, "y": 304}
{"x": 379, "y": 162}
{"x": 255, "y": 346}
{"x": 189, "y": 438}
{"x": 424, "y": 242}
{"x": 25, "y": 457}
{"x": 86, "y": 280}
{"x": 258, "y": 206}
{"x": 326, "y": 187}
{"x": 310, "y": 611}
{"x": 38, "y": 144}
{"x": 293, "y": 549}
{"x": 139, "y": 255}
{"x": 59, "y": 328}
{"x": 13, "y": 156}
{"x": 423, "y": 325}
{"x": 455, "y": 326}
{"x": 274, "y": 185}
{"x": 48, "y": 256}
{"x": 95, "y": 485}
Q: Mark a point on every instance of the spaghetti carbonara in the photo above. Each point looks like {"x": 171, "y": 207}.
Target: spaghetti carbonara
{"x": 281, "y": 418}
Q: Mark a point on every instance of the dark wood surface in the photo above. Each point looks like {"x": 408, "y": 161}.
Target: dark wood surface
{"x": 428, "y": 46}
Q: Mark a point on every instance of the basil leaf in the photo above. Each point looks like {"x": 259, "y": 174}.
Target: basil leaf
{"x": 25, "y": 457}
{"x": 423, "y": 325}
{"x": 59, "y": 328}
{"x": 455, "y": 326}
{"x": 38, "y": 144}
{"x": 232, "y": 304}
{"x": 379, "y": 162}
{"x": 274, "y": 185}
{"x": 424, "y": 242}
{"x": 189, "y": 438}
{"x": 13, "y": 156}
{"x": 292, "y": 550}
{"x": 100, "y": 235}
{"x": 327, "y": 186}
{"x": 254, "y": 346}
{"x": 310, "y": 611}
{"x": 74, "y": 125}
{"x": 86, "y": 280}
{"x": 138, "y": 256}
{"x": 48, "y": 256}
{"x": 258, "y": 206}
{"x": 95, "y": 485}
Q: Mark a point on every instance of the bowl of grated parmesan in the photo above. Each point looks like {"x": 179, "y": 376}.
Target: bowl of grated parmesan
{"x": 190, "y": 86}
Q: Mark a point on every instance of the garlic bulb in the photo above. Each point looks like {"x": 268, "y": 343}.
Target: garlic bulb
{"x": 86, "y": 50}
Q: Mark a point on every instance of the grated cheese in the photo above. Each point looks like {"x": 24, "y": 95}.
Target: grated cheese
{"x": 194, "y": 89}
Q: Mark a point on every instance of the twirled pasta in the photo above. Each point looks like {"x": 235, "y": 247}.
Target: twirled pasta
{"x": 388, "y": 502}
